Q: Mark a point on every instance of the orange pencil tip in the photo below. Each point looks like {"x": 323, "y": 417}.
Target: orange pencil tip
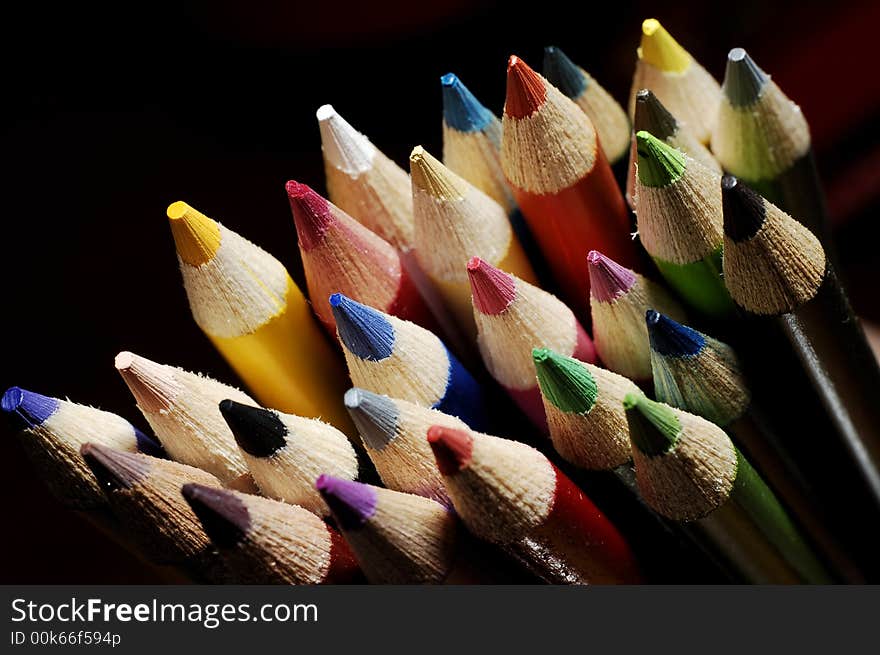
{"x": 526, "y": 90}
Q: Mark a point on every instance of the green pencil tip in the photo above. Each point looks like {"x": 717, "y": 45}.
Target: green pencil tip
{"x": 564, "y": 381}
{"x": 659, "y": 164}
{"x": 653, "y": 427}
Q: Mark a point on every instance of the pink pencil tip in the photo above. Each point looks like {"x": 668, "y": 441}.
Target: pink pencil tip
{"x": 608, "y": 279}
{"x": 492, "y": 289}
{"x": 311, "y": 213}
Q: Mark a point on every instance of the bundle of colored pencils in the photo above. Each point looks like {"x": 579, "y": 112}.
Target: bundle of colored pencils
{"x": 371, "y": 444}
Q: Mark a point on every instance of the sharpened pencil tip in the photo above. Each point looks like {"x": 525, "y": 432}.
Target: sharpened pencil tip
{"x": 429, "y": 175}
{"x": 149, "y": 382}
{"x": 743, "y": 80}
{"x": 365, "y": 332}
{"x": 374, "y": 416}
{"x": 492, "y": 290}
{"x": 660, "y": 50}
{"x": 27, "y": 409}
{"x": 744, "y": 210}
{"x": 352, "y": 503}
{"x": 114, "y": 469}
{"x": 659, "y": 163}
{"x": 311, "y": 214}
{"x": 196, "y": 237}
{"x": 564, "y": 381}
{"x": 651, "y": 116}
{"x": 452, "y": 448}
{"x": 672, "y": 339}
{"x": 526, "y": 91}
{"x": 461, "y": 110}
{"x": 258, "y": 432}
{"x": 563, "y": 73}
{"x": 223, "y": 515}
{"x": 608, "y": 279}
{"x": 653, "y": 426}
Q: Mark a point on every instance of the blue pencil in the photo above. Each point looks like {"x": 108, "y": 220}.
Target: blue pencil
{"x": 387, "y": 355}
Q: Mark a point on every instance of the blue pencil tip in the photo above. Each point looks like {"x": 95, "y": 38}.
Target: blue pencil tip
{"x": 26, "y": 408}
{"x": 672, "y": 339}
{"x": 461, "y": 110}
{"x": 148, "y": 445}
{"x": 365, "y": 332}
{"x": 563, "y": 73}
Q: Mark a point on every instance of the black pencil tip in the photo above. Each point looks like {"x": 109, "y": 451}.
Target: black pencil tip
{"x": 744, "y": 210}
{"x": 223, "y": 515}
{"x": 259, "y": 432}
{"x": 114, "y": 469}
{"x": 743, "y": 80}
{"x": 651, "y": 116}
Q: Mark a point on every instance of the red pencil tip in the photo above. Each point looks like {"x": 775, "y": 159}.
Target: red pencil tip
{"x": 452, "y": 448}
{"x": 311, "y": 213}
{"x": 526, "y": 90}
{"x": 492, "y": 289}
{"x": 608, "y": 279}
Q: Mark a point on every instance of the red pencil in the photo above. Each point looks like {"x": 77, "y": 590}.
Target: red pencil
{"x": 342, "y": 256}
{"x": 562, "y": 181}
{"x": 510, "y": 494}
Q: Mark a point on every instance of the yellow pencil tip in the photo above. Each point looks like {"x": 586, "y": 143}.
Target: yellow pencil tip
{"x": 429, "y": 175}
{"x": 196, "y": 236}
{"x": 660, "y": 50}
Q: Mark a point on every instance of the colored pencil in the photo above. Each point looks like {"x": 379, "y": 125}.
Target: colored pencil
{"x": 285, "y": 453}
{"x": 618, "y": 300}
{"x": 144, "y": 494}
{"x": 52, "y": 430}
{"x": 264, "y": 541}
{"x": 472, "y": 149}
{"x": 608, "y": 117}
{"x": 678, "y": 205}
{"x": 667, "y": 69}
{"x": 702, "y": 375}
{"x": 688, "y": 470}
{"x": 246, "y": 303}
{"x": 387, "y": 355}
{"x": 454, "y": 222}
{"x": 513, "y": 317}
{"x": 652, "y": 117}
{"x": 393, "y": 432}
{"x": 567, "y": 192}
{"x": 775, "y": 267}
{"x": 340, "y": 254}
{"x": 510, "y": 494}
{"x": 398, "y": 538}
{"x": 181, "y": 408}
{"x": 763, "y": 138}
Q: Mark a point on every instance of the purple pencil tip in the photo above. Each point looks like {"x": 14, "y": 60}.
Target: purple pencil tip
{"x": 608, "y": 279}
{"x": 352, "y": 503}
{"x": 27, "y": 408}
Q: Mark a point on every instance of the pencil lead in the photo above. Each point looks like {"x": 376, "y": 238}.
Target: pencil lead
{"x": 311, "y": 213}
{"x": 352, "y": 503}
{"x": 608, "y": 279}
{"x": 147, "y": 380}
{"x": 743, "y": 80}
{"x": 432, "y": 177}
{"x": 196, "y": 237}
{"x": 670, "y": 338}
{"x": 562, "y": 72}
{"x": 363, "y": 330}
{"x": 492, "y": 289}
{"x": 659, "y": 163}
{"x": 660, "y": 50}
{"x": 461, "y": 110}
{"x": 525, "y": 89}
{"x": 114, "y": 469}
{"x": 653, "y": 427}
{"x": 27, "y": 409}
{"x": 374, "y": 416}
{"x": 344, "y": 147}
{"x": 744, "y": 210}
{"x": 652, "y": 117}
{"x": 257, "y": 431}
{"x": 223, "y": 515}
{"x": 452, "y": 448}
{"x": 564, "y": 381}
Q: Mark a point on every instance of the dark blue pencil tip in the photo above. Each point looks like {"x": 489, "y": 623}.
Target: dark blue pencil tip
{"x": 148, "y": 445}
{"x": 27, "y": 409}
{"x": 364, "y": 331}
{"x": 672, "y": 339}
{"x": 461, "y": 110}
{"x": 563, "y": 73}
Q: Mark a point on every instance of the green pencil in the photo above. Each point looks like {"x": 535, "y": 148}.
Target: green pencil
{"x": 678, "y": 206}
{"x": 688, "y": 470}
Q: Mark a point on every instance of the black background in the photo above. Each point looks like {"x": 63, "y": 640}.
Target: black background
{"x": 113, "y": 112}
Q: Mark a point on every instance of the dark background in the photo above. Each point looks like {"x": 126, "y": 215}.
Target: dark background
{"x": 111, "y": 113}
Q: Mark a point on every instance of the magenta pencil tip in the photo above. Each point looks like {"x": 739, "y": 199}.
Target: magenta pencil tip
{"x": 608, "y": 279}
